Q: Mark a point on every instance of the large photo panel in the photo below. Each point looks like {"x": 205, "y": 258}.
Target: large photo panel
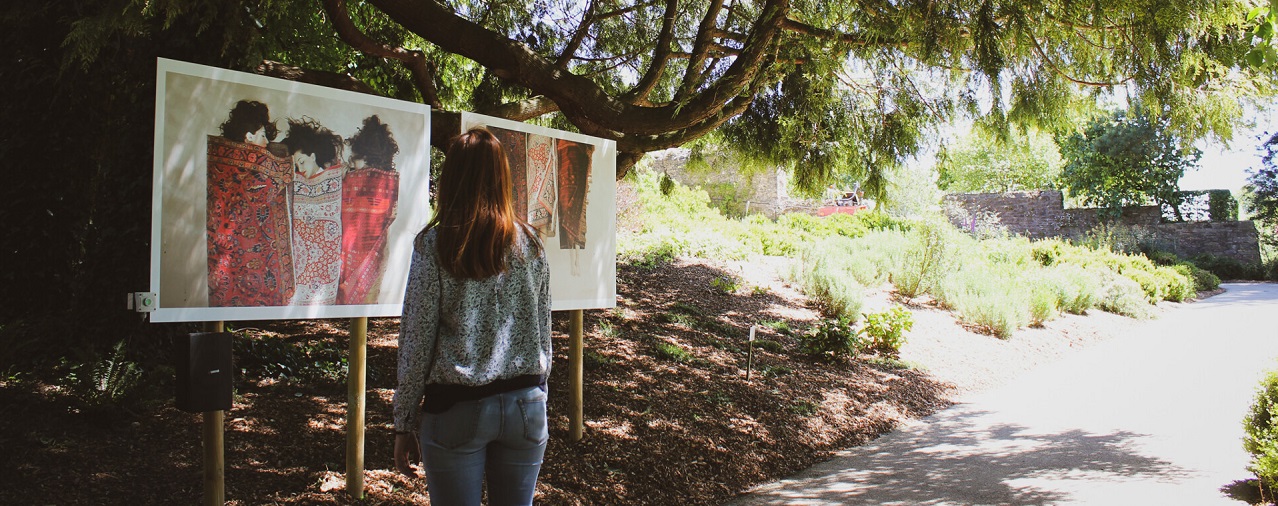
{"x": 565, "y": 186}
{"x": 279, "y": 200}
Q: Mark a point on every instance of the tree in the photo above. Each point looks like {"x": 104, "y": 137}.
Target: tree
{"x": 1126, "y": 159}
{"x": 845, "y": 82}
{"x": 1262, "y": 190}
{"x": 833, "y": 89}
{"x": 981, "y": 163}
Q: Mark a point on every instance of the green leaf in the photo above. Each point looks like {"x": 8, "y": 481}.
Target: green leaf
{"x": 1256, "y": 58}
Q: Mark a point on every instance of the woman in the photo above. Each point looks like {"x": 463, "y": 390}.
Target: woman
{"x": 250, "y": 257}
{"x": 317, "y": 211}
{"x": 370, "y": 192}
{"x": 474, "y": 344}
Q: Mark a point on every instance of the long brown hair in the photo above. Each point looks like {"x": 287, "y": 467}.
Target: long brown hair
{"x": 475, "y": 214}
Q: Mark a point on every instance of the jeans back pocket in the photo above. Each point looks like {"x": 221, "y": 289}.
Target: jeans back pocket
{"x": 534, "y": 414}
{"x": 454, "y": 428}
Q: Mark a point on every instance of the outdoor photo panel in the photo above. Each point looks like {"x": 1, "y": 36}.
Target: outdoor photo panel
{"x": 564, "y": 185}
{"x": 277, "y": 200}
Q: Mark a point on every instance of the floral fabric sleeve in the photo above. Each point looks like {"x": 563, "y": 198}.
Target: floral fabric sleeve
{"x": 417, "y": 334}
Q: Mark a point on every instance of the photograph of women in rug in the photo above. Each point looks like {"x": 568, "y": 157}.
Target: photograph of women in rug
{"x": 532, "y": 172}
{"x": 250, "y": 259}
{"x": 541, "y": 184}
{"x": 370, "y": 194}
{"x": 317, "y": 210}
{"x": 515, "y": 144}
{"x": 574, "y": 185}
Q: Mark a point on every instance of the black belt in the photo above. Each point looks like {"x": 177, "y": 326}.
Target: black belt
{"x": 438, "y": 398}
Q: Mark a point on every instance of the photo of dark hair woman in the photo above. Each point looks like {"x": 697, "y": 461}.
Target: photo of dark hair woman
{"x": 574, "y": 185}
{"x": 370, "y": 194}
{"x": 317, "y": 211}
{"x": 249, "y": 251}
{"x": 249, "y": 122}
{"x": 474, "y": 342}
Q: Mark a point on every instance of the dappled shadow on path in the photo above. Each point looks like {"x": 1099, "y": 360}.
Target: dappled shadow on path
{"x": 959, "y": 458}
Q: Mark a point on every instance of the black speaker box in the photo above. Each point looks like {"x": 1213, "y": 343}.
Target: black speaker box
{"x": 204, "y": 372}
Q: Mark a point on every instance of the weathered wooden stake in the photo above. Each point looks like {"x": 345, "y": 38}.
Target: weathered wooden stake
{"x": 214, "y": 457}
{"x": 355, "y": 408}
{"x": 575, "y": 374}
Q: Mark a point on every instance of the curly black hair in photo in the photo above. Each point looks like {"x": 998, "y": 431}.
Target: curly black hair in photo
{"x": 374, "y": 144}
{"x": 310, "y": 137}
{"x": 246, "y": 117}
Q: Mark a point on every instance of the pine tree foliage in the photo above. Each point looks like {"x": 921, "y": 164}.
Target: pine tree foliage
{"x": 852, "y": 87}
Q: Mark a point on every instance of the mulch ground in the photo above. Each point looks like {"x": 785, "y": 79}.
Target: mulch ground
{"x": 671, "y": 417}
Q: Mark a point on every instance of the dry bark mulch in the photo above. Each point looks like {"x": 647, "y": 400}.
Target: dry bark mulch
{"x": 671, "y": 417}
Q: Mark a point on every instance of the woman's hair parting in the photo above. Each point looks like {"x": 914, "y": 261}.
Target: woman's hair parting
{"x": 374, "y": 144}
{"x": 308, "y": 136}
{"x": 246, "y": 117}
{"x": 475, "y": 213}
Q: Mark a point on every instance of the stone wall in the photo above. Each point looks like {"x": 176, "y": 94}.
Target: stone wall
{"x": 1228, "y": 239}
{"x": 762, "y": 193}
{"x": 1041, "y": 214}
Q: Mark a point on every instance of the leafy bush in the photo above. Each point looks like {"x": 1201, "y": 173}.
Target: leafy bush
{"x": 830, "y": 339}
{"x": 886, "y": 330}
{"x": 1121, "y": 295}
{"x": 727, "y": 284}
{"x": 1227, "y": 268}
{"x": 1202, "y": 279}
{"x": 1261, "y": 427}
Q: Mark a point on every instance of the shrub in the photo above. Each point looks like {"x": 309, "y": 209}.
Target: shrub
{"x": 726, "y": 284}
{"x": 927, "y": 259}
{"x": 1077, "y": 289}
{"x": 1044, "y": 302}
{"x": 886, "y": 330}
{"x": 1225, "y": 268}
{"x": 999, "y": 314}
{"x": 830, "y": 339}
{"x": 1121, "y": 295}
{"x": 1202, "y": 279}
{"x": 1261, "y": 427}
{"x": 822, "y": 277}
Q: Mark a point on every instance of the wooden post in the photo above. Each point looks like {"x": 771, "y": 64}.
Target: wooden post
{"x": 214, "y": 457}
{"x": 355, "y": 408}
{"x": 575, "y": 374}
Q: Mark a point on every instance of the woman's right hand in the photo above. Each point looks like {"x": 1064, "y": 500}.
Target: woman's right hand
{"x": 407, "y": 453}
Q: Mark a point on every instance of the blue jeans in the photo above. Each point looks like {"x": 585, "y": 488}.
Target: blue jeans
{"x": 503, "y": 436}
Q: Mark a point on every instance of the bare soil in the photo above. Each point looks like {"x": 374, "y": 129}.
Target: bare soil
{"x": 672, "y": 416}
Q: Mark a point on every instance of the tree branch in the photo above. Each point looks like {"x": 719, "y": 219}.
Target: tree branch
{"x": 1038, "y": 49}
{"x": 577, "y": 37}
{"x": 700, "y": 49}
{"x": 657, "y": 67}
{"x": 318, "y": 77}
{"x": 583, "y": 101}
{"x": 847, "y": 38}
{"x": 523, "y": 110}
{"x": 415, "y": 61}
